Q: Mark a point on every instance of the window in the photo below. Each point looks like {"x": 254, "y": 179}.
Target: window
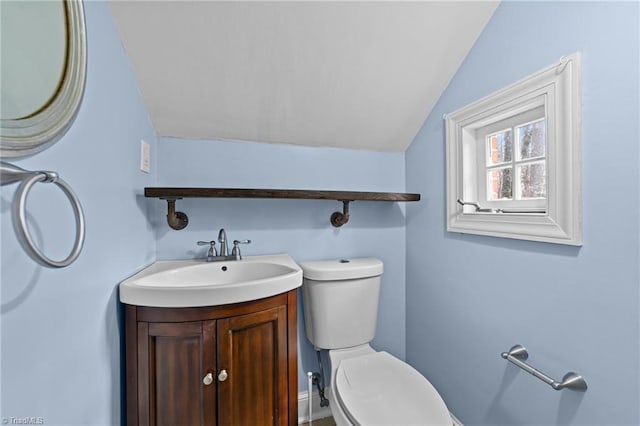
{"x": 511, "y": 173}
{"x": 514, "y": 160}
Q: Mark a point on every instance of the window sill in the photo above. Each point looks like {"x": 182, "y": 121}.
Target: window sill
{"x": 528, "y": 226}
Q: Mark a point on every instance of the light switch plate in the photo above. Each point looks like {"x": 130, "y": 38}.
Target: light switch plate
{"x": 145, "y": 156}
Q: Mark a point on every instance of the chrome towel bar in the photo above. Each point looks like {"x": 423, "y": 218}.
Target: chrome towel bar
{"x": 12, "y": 174}
{"x": 518, "y": 355}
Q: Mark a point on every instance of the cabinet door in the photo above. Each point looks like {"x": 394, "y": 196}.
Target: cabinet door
{"x": 173, "y": 362}
{"x": 252, "y": 349}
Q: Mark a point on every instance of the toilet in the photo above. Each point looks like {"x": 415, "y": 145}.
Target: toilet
{"x": 340, "y": 299}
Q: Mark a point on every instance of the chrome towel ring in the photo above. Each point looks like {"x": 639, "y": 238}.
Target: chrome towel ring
{"x": 12, "y": 174}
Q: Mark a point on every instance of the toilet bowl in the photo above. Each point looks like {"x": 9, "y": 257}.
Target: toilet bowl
{"x": 340, "y": 299}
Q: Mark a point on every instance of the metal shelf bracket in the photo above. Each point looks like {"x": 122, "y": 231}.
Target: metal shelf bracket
{"x": 176, "y": 220}
{"x": 338, "y": 219}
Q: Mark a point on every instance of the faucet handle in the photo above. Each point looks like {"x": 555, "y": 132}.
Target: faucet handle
{"x": 236, "y": 248}
{"x": 212, "y": 248}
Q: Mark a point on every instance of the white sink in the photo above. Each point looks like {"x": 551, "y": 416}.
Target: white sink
{"x": 187, "y": 283}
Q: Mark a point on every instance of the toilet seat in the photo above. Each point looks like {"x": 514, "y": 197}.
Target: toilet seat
{"x": 379, "y": 389}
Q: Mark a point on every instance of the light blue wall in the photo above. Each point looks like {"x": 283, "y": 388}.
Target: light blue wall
{"x": 60, "y": 332}
{"x": 470, "y": 297}
{"x": 298, "y": 227}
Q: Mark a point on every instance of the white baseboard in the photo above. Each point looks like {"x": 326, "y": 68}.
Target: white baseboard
{"x": 316, "y": 411}
{"x": 456, "y": 422}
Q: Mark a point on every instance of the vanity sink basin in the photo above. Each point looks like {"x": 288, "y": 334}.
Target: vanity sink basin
{"x": 189, "y": 283}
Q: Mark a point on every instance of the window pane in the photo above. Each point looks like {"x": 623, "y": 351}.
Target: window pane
{"x": 532, "y": 180}
{"x": 532, "y": 140}
{"x": 500, "y": 147}
{"x": 499, "y": 184}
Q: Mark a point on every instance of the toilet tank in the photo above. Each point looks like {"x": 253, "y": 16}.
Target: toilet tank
{"x": 340, "y": 300}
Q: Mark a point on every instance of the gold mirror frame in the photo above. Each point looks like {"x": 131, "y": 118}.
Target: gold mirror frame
{"x": 29, "y": 135}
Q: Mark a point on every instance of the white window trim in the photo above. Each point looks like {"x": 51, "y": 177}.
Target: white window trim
{"x": 559, "y": 87}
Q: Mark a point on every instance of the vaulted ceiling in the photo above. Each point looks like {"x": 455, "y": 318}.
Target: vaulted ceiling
{"x": 362, "y": 75}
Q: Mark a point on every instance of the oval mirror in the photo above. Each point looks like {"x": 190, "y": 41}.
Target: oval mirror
{"x": 43, "y": 67}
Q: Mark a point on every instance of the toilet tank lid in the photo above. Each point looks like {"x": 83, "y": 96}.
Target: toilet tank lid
{"x": 342, "y": 269}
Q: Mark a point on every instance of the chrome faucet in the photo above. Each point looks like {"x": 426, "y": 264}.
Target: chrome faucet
{"x": 222, "y": 239}
{"x": 212, "y": 254}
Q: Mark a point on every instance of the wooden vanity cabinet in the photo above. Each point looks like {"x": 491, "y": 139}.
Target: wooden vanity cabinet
{"x": 221, "y": 365}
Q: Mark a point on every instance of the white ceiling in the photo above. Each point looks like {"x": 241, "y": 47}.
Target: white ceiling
{"x": 360, "y": 75}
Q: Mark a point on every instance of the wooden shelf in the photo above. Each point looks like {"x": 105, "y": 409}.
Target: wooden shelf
{"x": 177, "y": 193}
{"x": 179, "y": 220}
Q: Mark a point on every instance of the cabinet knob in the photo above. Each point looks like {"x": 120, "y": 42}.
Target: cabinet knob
{"x": 223, "y": 375}
{"x": 208, "y": 379}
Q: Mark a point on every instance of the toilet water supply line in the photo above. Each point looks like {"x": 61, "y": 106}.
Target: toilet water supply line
{"x": 309, "y": 393}
{"x": 318, "y": 380}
